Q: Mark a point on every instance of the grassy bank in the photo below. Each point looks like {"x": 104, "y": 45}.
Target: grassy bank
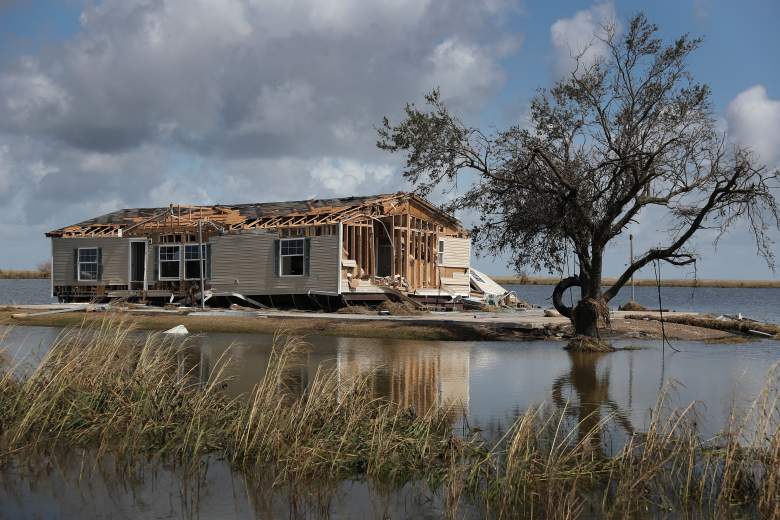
{"x": 733, "y": 284}
{"x": 23, "y": 274}
{"x": 131, "y": 399}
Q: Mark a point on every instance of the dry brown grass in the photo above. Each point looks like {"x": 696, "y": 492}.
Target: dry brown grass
{"x": 23, "y": 274}
{"x": 132, "y": 397}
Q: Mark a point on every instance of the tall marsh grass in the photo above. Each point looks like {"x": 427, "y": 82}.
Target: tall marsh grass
{"x": 17, "y": 274}
{"x": 130, "y": 398}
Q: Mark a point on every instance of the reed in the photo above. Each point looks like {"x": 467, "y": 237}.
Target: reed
{"x": 131, "y": 398}
{"x": 20, "y": 274}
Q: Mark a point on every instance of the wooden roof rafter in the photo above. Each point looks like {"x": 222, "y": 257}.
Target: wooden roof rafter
{"x": 266, "y": 215}
{"x": 306, "y": 220}
{"x": 93, "y": 230}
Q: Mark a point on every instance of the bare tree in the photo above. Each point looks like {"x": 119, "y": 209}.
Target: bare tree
{"x": 629, "y": 132}
{"x": 44, "y": 267}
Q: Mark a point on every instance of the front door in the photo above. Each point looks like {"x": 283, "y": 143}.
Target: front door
{"x": 137, "y": 265}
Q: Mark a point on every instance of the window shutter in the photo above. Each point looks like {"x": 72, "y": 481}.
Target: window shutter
{"x": 100, "y": 263}
{"x": 75, "y": 265}
{"x": 208, "y": 261}
{"x": 156, "y": 263}
{"x": 306, "y": 256}
{"x": 277, "y": 253}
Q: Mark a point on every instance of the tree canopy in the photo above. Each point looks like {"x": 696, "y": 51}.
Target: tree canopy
{"x": 630, "y": 131}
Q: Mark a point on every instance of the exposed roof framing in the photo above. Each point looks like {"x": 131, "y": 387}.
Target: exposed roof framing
{"x": 267, "y": 215}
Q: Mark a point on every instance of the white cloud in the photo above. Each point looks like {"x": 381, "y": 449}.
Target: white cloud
{"x": 754, "y": 120}
{"x": 31, "y": 96}
{"x": 581, "y": 35}
{"x": 343, "y": 176}
{"x": 462, "y": 71}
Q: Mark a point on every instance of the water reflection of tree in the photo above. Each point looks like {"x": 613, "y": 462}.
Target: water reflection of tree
{"x": 592, "y": 392}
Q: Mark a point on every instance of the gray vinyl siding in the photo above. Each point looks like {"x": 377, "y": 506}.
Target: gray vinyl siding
{"x": 244, "y": 264}
{"x": 115, "y": 257}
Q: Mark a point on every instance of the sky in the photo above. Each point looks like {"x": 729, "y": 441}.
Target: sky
{"x": 138, "y": 103}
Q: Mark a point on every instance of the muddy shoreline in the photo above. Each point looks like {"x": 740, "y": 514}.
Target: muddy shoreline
{"x": 432, "y": 326}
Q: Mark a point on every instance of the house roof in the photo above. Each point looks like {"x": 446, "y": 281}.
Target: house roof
{"x": 237, "y": 216}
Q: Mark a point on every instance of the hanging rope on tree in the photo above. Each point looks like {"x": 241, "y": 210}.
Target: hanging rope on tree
{"x": 664, "y": 340}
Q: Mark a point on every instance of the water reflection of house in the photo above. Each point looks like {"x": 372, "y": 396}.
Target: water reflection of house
{"x": 418, "y": 375}
{"x": 415, "y": 376}
{"x": 246, "y": 365}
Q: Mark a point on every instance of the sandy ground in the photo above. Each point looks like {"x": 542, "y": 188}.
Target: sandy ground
{"x": 530, "y": 324}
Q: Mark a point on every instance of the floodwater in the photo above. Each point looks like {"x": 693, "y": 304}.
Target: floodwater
{"x": 485, "y": 383}
{"x": 22, "y": 292}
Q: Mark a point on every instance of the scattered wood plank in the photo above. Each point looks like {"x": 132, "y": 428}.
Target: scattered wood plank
{"x": 22, "y": 315}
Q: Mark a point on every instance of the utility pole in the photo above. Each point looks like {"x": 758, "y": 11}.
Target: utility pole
{"x": 201, "y": 259}
{"x": 631, "y": 262}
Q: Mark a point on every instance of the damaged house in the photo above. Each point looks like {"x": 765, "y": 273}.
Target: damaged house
{"x": 313, "y": 253}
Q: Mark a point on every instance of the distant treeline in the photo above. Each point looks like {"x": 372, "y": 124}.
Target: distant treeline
{"x": 550, "y": 280}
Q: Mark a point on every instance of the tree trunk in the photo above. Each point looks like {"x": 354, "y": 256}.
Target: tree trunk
{"x": 592, "y": 306}
{"x": 586, "y": 313}
{"x": 585, "y": 317}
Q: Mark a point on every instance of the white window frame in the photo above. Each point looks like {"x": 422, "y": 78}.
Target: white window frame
{"x": 79, "y": 262}
{"x": 160, "y": 261}
{"x": 204, "y": 252}
{"x": 440, "y": 252}
{"x": 281, "y": 257}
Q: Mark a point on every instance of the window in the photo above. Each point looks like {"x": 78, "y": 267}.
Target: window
{"x": 192, "y": 262}
{"x": 170, "y": 264}
{"x": 88, "y": 268}
{"x": 291, "y": 254}
{"x": 440, "y": 255}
